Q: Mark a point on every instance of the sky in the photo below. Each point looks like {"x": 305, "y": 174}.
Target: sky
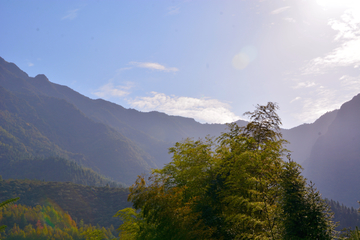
{"x": 208, "y": 60}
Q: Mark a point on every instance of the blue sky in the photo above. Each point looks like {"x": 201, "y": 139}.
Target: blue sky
{"x": 208, "y": 60}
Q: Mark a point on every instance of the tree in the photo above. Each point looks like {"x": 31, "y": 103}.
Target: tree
{"x": 233, "y": 187}
{"x": 305, "y": 215}
{"x": 131, "y": 223}
{"x": 4, "y": 204}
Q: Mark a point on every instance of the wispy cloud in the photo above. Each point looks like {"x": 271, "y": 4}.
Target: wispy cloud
{"x": 304, "y": 85}
{"x": 350, "y": 85}
{"x": 290, "y": 20}
{"x": 71, "y": 14}
{"x": 122, "y": 70}
{"x": 313, "y": 107}
{"x": 345, "y": 55}
{"x": 154, "y": 66}
{"x": 323, "y": 99}
{"x": 204, "y": 110}
{"x": 109, "y": 90}
{"x": 30, "y": 64}
{"x": 280, "y": 10}
{"x": 295, "y": 99}
{"x": 348, "y": 54}
{"x": 173, "y": 10}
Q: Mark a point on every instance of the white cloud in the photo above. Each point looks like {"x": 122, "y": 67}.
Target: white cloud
{"x": 350, "y": 85}
{"x": 109, "y": 90}
{"x": 337, "y": 3}
{"x": 204, "y": 110}
{"x": 30, "y": 64}
{"x": 155, "y": 66}
{"x": 348, "y": 53}
{"x": 71, "y": 14}
{"x": 304, "y": 85}
{"x": 324, "y": 99}
{"x": 295, "y": 99}
{"x": 280, "y": 10}
{"x": 290, "y": 20}
{"x": 313, "y": 107}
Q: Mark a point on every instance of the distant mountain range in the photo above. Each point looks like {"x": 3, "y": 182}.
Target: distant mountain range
{"x": 334, "y": 162}
{"x": 39, "y": 118}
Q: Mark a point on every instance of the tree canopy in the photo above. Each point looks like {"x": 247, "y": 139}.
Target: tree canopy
{"x": 236, "y": 186}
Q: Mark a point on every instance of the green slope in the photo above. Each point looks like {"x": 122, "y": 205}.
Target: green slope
{"x": 95, "y": 205}
{"x": 53, "y": 169}
{"x": 34, "y": 125}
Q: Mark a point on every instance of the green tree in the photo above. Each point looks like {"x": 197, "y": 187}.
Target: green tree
{"x": 131, "y": 223}
{"x": 354, "y": 234}
{"x": 232, "y": 188}
{"x": 305, "y": 215}
{"x": 4, "y": 204}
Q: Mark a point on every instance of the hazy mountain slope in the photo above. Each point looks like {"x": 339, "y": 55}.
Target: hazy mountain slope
{"x": 346, "y": 216}
{"x": 18, "y": 137}
{"x": 45, "y": 126}
{"x": 53, "y": 169}
{"x": 334, "y": 163}
{"x": 154, "y": 132}
{"x": 303, "y": 137}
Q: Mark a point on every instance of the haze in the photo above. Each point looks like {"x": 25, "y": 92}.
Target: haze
{"x": 208, "y": 60}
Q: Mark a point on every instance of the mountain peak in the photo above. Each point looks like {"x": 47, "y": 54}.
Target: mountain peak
{"x": 11, "y": 67}
{"x": 41, "y": 78}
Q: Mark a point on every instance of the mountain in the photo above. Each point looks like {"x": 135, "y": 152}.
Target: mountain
{"x": 303, "y": 137}
{"x": 55, "y": 170}
{"x": 154, "y": 132}
{"x": 347, "y": 217}
{"x": 70, "y": 124}
{"x": 334, "y": 162}
{"x": 41, "y": 118}
{"x": 38, "y": 125}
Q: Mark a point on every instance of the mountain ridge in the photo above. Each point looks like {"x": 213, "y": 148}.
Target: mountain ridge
{"x": 334, "y": 161}
{"x": 147, "y": 133}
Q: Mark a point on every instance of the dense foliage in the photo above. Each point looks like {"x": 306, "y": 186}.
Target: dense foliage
{"x": 95, "y": 205}
{"x": 346, "y": 216}
{"x": 53, "y": 169}
{"x": 46, "y": 222}
{"x": 4, "y": 204}
{"x": 237, "y": 187}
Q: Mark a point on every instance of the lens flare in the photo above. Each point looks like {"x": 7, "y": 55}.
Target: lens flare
{"x": 244, "y": 58}
{"x": 240, "y": 61}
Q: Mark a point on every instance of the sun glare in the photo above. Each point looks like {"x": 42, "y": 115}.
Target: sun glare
{"x": 338, "y": 3}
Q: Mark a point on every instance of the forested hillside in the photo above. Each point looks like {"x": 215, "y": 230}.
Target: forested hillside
{"x": 55, "y": 170}
{"x": 53, "y": 134}
{"x": 41, "y": 126}
{"x": 93, "y": 205}
{"x": 347, "y": 217}
{"x": 47, "y": 222}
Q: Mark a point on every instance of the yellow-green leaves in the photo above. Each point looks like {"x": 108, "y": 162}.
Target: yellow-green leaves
{"x": 227, "y": 189}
